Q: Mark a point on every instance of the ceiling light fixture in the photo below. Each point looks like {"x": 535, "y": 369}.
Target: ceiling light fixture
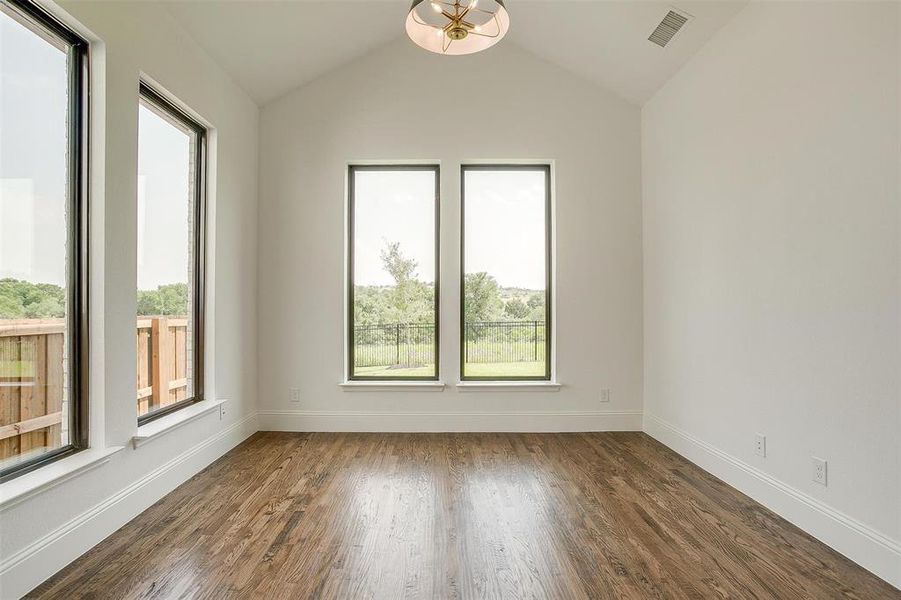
{"x": 457, "y": 26}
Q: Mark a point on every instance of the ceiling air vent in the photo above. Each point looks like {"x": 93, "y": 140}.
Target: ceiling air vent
{"x": 669, "y": 26}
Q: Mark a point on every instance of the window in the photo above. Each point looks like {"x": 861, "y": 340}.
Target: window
{"x": 506, "y": 272}
{"x": 43, "y": 307}
{"x": 171, "y": 169}
{"x": 393, "y": 272}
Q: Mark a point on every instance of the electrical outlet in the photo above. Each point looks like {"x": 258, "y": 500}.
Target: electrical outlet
{"x": 605, "y": 395}
{"x": 295, "y": 396}
{"x": 223, "y": 410}
{"x": 819, "y": 470}
{"x": 760, "y": 445}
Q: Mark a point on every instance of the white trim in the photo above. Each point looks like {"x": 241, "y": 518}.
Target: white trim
{"x": 867, "y": 547}
{"x": 508, "y": 161}
{"x": 40, "y": 480}
{"x": 163, "y": 91}
{"x": 32, "y": 565}
{"x": 552, "y": 166}
{"x": 347, "y": 321}
{"x": 158, "y": 427}
{"x": 433, "y": 422}
{"x": 378, "y": 162}
{"x": 392, "y": 386}
{"x": 507, "y": 386}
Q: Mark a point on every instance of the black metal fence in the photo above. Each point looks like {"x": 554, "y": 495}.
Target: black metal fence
{"x": 401, "y": 344}
{"x": 504, "y": 341}
{"x": 413, "y": 344}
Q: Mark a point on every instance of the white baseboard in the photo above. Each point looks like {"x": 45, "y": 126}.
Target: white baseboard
{"x": 872, "y": 550}
{"x": 31, "y": 566}
{"x": 434, "y": 422}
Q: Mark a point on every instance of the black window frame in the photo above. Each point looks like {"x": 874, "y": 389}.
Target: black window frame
{"x": 351, "y": 171}
{"x": 43, "y": 23}
{"x": 548, "y": 265}
{"x": 148, "y": 94}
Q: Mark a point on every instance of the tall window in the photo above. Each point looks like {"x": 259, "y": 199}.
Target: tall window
{"x": 393, "y": 272}
{"x": 171, "y": 170}
{"x": 506, "y": 268}
{"x": 43, "y": 328}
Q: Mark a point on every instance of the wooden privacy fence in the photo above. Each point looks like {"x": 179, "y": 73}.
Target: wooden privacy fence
{"x": 32, "y": 385}
{"x": 162, "y": 362}
{"x": 33, "y": 365}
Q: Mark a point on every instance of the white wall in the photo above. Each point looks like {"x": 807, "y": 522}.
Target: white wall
{"x": 771, "y": 266}
{"x": 43, "y": 533}
{"x": 403, "y": 103}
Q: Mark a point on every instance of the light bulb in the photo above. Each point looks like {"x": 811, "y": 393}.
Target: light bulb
{"x": 477, "y": 28}
{"x": 473, "y": 4}
{"x": 436, "y": 7}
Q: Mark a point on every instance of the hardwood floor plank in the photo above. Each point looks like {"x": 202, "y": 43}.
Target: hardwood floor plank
{"x": 356, "y": 515}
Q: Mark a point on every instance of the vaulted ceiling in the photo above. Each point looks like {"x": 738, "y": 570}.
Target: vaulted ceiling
{"x": 272, "y": 47}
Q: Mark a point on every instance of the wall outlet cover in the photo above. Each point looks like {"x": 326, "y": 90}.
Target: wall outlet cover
{"x": 819, "y": 470}
{"x": 760, "y": 445}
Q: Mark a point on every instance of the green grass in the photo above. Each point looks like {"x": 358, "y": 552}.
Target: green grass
{"x": 489, "y": 358}
{"x": 500, "y": 351}
{"x": 514, "y": 369}
{"x": 425, "y": 371}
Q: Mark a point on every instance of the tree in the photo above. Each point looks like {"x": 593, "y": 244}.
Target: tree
{"x": 482, "y": 298}
{"x": 400, "y": 268}
{"x": 10, "y": 306}
{"x": 46, "y": 307}
{"x": 403, "y": 271}
{"x": 166, "y": 300}
{"x": 25, "y": 300}
{"x": 516, "y": 309}
{"x": 409, "y": 300}
{"x": 536, "y": 304}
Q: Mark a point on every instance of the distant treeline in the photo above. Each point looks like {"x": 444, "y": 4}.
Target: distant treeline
{"x": 26, "y": 300}
{"x": 410, "y": 300}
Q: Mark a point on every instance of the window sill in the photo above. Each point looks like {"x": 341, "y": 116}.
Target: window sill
{"x": 508, "y": 386}
{"x": 166, "y": 424}
{"x": 392, "y": 386}
{"x": 30, "y": 484}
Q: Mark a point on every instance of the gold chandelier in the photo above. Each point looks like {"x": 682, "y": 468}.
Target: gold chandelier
{"x": 457, "y": 26}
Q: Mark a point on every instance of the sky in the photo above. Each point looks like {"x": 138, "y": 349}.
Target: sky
{"x": 164, "y": 163}
{"x": 505, "y": 224}
{"x": 33, "y": 178}
{"x": 32, "y": 156}
{"x": 393, "y": 206}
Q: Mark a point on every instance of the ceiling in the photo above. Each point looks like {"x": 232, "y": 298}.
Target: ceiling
{"x": 272, "y": 47}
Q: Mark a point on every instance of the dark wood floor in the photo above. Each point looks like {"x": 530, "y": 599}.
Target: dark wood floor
{"x": 595, "y": 515}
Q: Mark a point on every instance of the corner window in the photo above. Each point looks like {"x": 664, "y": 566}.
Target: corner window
{"x": 171, "y": 170}
{"x": 506, "y": 272}
{"x": 393, "y": 272}
{"x": 43, "y": 241}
